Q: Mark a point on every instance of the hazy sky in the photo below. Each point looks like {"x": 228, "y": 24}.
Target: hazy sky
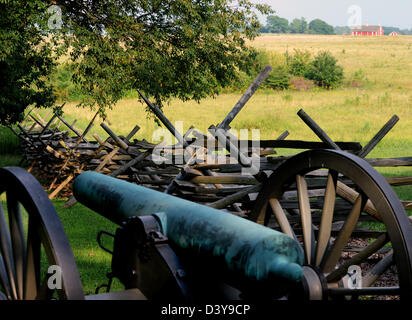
{"x": 396, "y": 13}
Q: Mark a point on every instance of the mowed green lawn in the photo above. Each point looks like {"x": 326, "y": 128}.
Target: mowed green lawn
{"x": 349, "y": 113}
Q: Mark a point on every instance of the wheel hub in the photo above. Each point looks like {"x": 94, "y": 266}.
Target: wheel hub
{"x": 312, "y": 287}
{"x": 314, "y": 284}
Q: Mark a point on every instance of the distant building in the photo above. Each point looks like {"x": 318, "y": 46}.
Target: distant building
{"x": 367, "y": 31}
{"x": 393, "y": 33}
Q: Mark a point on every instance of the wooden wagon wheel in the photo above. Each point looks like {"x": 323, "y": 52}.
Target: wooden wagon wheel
{"x": 32, "y": 239}
{"x": 329, "y": 211}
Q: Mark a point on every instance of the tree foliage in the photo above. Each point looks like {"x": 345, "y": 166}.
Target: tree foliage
{"x": 299, "y": 62}
{"x": 389, "y": 30}
{"x": 324, "y": 71}
{"x": 278, "y": 79}
{"x": 318, "y": 26}
{"x": 298, "y": 25}
{"x": 166, "y": 48}
{"x": 25, "y": 59}
{"x": 276, "y": 24}
{"x": 342, "y": 30}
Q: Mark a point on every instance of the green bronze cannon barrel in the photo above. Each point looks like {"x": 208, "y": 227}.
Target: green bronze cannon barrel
{"x": 248, "y": 248}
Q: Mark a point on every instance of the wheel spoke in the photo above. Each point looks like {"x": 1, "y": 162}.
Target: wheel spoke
{"x": 327, "y": 216}
{"x": 378, "y": 270}
{"x": 262, "y": 216}
{"x": 332, "y": 257}
{"x": 24, "y": 247}
{"x": 6, "y": 250}
{"x": 357, "y": 259}
{"x": 305, "y": 215}
{"x": 2, "y": 296}
{"x": 32, "y": 272}
{"x": 335, "y": 214}
{"x": 4, "y": 281}
{"x": 18, "y": 240}
{"x": 281, "y": 218}
{"x": 44, "y": 293}
{"x": 351, "y": 195}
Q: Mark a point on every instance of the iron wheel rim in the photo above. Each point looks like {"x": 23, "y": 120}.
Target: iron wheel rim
{"x": 43, "y": 231}
{"x": 369, "y": 181}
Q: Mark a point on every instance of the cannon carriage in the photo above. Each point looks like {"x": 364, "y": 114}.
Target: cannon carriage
{"x": 291, "y": 227}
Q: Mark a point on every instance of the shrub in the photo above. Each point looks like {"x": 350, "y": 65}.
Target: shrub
{"x": 243, "y": 80}
{"x": 299, "y": 62}
{"x": 357, "y": 79}
{"x": 359, "y": 75}
{"x": 324, "y": 71}
{"x": 279, "y": 78}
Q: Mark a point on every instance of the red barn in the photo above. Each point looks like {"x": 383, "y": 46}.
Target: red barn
{"x": 367, "y": 31}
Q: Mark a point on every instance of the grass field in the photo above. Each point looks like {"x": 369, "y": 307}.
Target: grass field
{"x": 349, "y": 113}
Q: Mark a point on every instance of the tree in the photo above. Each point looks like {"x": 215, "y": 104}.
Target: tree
{"x": 325, "y": 71}
{"x": 342, "y": 30}
{"x": 298, "y": 25}
{"x": 278, "y": 79}
{"x": 318, "y": 26}
{"x": 276, "y": 24}
{"x": 174, "y": 48}
{"x": 25, "y": 59}
{"x": 299, "y": 62}
{"x": 389, "y": 30}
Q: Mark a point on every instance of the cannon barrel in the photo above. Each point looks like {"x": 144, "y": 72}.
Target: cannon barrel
{"x": 257, "y": 252}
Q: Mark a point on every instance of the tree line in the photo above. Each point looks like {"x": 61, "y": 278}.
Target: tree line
{"x": 276, "y": 24}
{"x": 386, "y": 30}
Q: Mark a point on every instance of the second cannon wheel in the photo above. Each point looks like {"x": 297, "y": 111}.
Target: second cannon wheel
{"x": 347, "y": 219}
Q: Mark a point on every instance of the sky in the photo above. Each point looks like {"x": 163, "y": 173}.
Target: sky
{"x": 393, "y": 13}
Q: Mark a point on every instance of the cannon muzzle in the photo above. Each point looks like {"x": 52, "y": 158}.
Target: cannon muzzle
{"x": 253, "y": 250}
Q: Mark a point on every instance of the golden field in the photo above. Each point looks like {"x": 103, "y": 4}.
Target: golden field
{"x": 347, "y": 113}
